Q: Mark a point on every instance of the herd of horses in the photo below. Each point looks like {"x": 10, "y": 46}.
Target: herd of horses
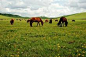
{"x": 63, "y": 21}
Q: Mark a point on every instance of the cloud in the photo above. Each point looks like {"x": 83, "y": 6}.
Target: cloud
{"x": 77, "y": 4}
{"x": 49, "y": 8}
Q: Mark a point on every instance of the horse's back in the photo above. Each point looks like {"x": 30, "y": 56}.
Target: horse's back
{"x": 63, "y": 19}
{"x": 36, "y": 19}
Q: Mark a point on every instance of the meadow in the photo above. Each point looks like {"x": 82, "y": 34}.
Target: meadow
{"x": 49, "y": 40}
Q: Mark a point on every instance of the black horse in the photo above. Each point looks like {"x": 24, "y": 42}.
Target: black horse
{"x": 50, "y": 21}
{"x": 62, "y": 21}
{"x": 73, "y": 20}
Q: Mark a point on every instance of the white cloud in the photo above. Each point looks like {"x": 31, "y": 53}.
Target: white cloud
{"x": 49, "y": 8}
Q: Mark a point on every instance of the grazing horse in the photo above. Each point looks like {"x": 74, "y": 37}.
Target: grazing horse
{"x": 62, "y": 21}
{"x": 28, "y": 20}
{"x": 50, "y": 21}
{"x": 56, "y": 20}
{"x": 11, "y": 21}
{"x": 46, "y": 20}
{"x": 36, "y": 19}
{"x": 73, "y": 20}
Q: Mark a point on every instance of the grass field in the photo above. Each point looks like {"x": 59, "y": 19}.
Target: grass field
{"x": 21, "y": 40}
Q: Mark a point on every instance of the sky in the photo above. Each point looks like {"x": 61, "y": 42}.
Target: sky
{"x": 48, "y": 8}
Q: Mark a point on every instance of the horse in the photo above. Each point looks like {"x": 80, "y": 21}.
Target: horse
{"x": 28, "y": 20}
{"x": 56, "y": 20}
{"x": 73, "y": 20}
{"x": 36, "y": 19}
{"x": 12, "y": 21}
{"x": 50, "y": 21}
{"x": 46, "y": 20}
{"x": 62, "y": 21}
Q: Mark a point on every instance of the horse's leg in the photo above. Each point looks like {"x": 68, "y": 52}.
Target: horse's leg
{"x": 37, "y": 23}
{"x": 63, "y": 24}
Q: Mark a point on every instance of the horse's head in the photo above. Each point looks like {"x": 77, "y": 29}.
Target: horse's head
{"x": 66, "y": 23}
{"x": 28, "y": 20}
{"x": 42, "y": 23}
{"x": 59, "y": 23}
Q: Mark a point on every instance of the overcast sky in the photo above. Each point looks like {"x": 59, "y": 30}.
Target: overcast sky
{"x": 48, "y": 8}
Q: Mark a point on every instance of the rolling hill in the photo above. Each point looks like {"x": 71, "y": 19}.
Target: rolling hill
{"x": 9, "y": 16}
{"x": 77, "y": 16}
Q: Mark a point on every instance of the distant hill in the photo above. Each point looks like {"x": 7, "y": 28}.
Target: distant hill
{"x": 77, "y": 16}
{"x": 9, "y": 16}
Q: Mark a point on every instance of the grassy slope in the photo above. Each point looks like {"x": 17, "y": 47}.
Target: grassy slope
{"x": 6, "y": 17}
{"x": 9, "y": 16}
{"x": 77, "y": 16}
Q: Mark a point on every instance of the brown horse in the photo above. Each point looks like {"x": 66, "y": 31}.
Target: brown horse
{"x": 36, "y": 19}
{"x": 46, "y": 20}
{"x": 11, "y": 21}
{"x": 62, "y": 21}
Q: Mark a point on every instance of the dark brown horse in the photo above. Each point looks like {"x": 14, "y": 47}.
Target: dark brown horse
{"x": 73, "y": 20}
{"x": 28, "y": 20}
{"x": 62, "y": 21}
{"x": 50, "y": 21}
{"x": 56, "y": 20}
{"x": 11, "y": 21}
{"x": 36, "y": 19}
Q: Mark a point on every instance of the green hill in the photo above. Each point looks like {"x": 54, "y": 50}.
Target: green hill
{"x": 77, "y": 16}
{"x": 9, "y": 16}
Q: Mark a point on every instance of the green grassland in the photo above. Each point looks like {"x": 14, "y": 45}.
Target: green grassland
{"x": 49, "y": 40}
{"x": 21, "y": 40}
